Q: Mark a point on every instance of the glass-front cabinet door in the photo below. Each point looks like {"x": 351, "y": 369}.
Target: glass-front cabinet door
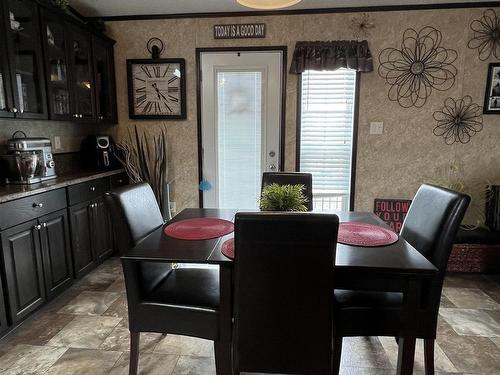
{"x": 83, "y": 105}
{"x": 25, "y": 58}
{"x": 56, "y": 62}
{"x": 105, "y": 88}
{"x": 6, "y": 104}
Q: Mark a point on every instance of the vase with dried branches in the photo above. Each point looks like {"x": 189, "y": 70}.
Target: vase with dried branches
{"x": 144, "y": 158}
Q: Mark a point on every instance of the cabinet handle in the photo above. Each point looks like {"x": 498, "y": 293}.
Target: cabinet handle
{"x": 120, "y": 181}
{"x": 80, "y": 115}
{"x": 38, "y": 205}
{"x": 92, "y": 188}
{"x": 44, "y": 225}
{"x": 37, "y": 227}
{"x": 14, "y": 110}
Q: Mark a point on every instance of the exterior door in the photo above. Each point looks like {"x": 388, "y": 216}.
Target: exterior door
{"x": 241, "y": 105}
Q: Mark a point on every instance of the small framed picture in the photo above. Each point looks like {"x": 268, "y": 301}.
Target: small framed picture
{"x": 492, "y": 95}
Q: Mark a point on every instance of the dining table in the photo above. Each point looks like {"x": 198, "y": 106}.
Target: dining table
{"x": 398, "y": 267}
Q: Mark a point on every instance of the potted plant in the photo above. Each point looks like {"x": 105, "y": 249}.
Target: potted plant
{"x": 276, "y": 197}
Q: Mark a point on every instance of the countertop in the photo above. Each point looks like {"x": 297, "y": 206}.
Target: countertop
{"x": 11, "y": 192}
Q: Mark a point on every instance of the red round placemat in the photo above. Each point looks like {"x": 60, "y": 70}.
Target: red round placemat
{"x": 203, "y": 228}
{"x": 228, "y": 248}
{"x": 362, "y": 234}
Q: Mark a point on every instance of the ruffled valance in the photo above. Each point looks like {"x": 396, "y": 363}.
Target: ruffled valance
{"x": 332, "y": 55}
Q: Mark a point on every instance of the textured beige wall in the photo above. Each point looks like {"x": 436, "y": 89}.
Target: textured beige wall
{"x": 390, "y": 165}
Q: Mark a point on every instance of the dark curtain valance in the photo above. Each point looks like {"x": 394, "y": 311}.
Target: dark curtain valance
{"x": 331, "y": 56}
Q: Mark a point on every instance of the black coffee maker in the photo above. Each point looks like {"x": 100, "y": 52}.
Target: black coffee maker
{"x": 98, "y": 153}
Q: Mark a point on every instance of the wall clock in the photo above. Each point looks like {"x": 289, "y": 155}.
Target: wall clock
{"x": 157, "y": 89}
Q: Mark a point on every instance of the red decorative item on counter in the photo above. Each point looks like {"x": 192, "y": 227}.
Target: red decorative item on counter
{"x": 362, "y": 234}
{"x": 199, "y": 229}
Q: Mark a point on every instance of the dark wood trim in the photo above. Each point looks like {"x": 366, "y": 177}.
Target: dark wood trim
{"x": 383, "y": 8}
{"x": 298, "y": 122}
{"x": 354, "y": 152}
{"x": 354, "y": 135}
{"x": 199, "y": 51}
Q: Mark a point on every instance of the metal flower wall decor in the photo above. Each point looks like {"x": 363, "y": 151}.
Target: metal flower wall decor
{"x": 458, "y": 120}
{"x": 486, "y": 37}
{"x": 362, "y": 26}
{"x": 418, "y": 67}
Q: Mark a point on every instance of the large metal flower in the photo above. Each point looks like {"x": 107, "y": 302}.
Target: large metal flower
{"x": 486, "y": 37}
{"x": 418, "y": 67}
{"x": 458, "y": 120}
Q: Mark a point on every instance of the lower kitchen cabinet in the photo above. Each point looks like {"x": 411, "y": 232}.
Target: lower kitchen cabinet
{"x": 56, "y": 251}
{"x": 81, "y": 238}
{"x": 103, "y": 244}
{"x": 4, "y": 325}
{"x": 22, "y": 256}
{"x": 91, "y": 235}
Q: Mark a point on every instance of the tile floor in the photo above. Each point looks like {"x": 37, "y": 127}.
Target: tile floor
{"x": 84, "y": 331}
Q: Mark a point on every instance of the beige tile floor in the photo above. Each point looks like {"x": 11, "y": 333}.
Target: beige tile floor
{"x": 84, "y": 331}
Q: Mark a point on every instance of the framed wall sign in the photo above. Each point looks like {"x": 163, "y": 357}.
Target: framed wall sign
{"x": 392, "y": 211}
{"x": 240, "y": 31}
{"x": 492, "y": 95}
{"x": 157, "y": 89}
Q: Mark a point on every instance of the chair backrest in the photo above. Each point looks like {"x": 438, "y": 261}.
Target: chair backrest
{"x": 430, "y": 227}
{"x": 291, "y": 178}
{"x": 135, "y": 214}
{"x": 284, "y": 266}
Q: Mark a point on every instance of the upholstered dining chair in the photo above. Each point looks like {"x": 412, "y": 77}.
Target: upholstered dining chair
{"x": 160, "y": 298}
{"x": 283, "y": 308}
{"x": 430, "y": 227}
{"x": 291, "y": 178}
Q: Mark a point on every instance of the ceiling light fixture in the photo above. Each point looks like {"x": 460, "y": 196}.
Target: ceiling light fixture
{"x": 268, "y": 4}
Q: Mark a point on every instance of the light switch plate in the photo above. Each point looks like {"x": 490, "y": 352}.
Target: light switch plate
{"x": 376, "y": 128}
{"x": 57, "y": 142}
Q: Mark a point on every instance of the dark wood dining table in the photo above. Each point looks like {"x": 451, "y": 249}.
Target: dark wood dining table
{"x": 397, "y": 268}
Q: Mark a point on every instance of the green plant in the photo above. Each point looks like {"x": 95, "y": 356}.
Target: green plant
{"x": 276, "y": 197}
{"x": 63, "y": 4}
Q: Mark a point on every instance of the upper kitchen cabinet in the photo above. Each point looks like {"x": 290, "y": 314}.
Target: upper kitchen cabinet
{"x": 55, "y": 46}
{"x": 22, "y": 47}
{"x": 105, "y": 86}
{"x": 82, "y": 74}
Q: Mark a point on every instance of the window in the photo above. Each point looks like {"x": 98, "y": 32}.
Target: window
{"x": 327, "y": 135}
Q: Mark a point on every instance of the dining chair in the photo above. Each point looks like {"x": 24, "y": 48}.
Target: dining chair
{"x": 291, "y": 178}
{"x": 430, "y": 227}
{"x": 160, "y": 298}
{"x": 283, "y": 308}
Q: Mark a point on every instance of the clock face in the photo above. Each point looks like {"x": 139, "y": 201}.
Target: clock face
{"x": 156, "y": 89}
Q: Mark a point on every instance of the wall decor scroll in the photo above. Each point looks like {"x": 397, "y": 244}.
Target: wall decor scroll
{"x": 458, "y": 120}
{"x": 486, "y": 37}
{"x": 419, "y": 66}
{"x": 240, "y": 31}
{"x": 492, "y": 95}
{"x": 362, "y": 26}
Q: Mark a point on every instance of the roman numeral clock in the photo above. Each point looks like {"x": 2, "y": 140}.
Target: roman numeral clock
{"x": 157, "y": 88}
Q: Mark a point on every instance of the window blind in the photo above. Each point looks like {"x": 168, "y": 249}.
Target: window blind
{"x": 326, "y": 134}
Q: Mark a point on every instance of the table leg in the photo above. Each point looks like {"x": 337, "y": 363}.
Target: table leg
{"x": 223, "y": 346}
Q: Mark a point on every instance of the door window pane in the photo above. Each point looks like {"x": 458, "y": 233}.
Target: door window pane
{"x": 239, "y": 124}
{"x": 326, "y": 139}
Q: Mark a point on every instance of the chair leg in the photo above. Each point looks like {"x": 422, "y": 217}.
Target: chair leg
{"x": 223, "y": 365}
{"x": 337, "y": 354}
{"x": 406, "y": 355}
{"x": 134, "y": 353}
{"x": 429, "y": 356}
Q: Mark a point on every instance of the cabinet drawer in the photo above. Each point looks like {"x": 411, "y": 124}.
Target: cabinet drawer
{"x": 87, "y": 191}
{"x": 118, "y": 180}
{"x": 21, "y": 210}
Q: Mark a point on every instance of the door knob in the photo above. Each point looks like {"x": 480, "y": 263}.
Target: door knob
{"x": 272, "y": 167}
{"x": 37, "y": 227}
{"x": 38, "y": 205}
{"x": 14, "y": 110}
{"x": 272, "y": 154}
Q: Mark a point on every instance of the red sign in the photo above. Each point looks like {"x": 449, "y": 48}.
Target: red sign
{"x": 392, "y": 211}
